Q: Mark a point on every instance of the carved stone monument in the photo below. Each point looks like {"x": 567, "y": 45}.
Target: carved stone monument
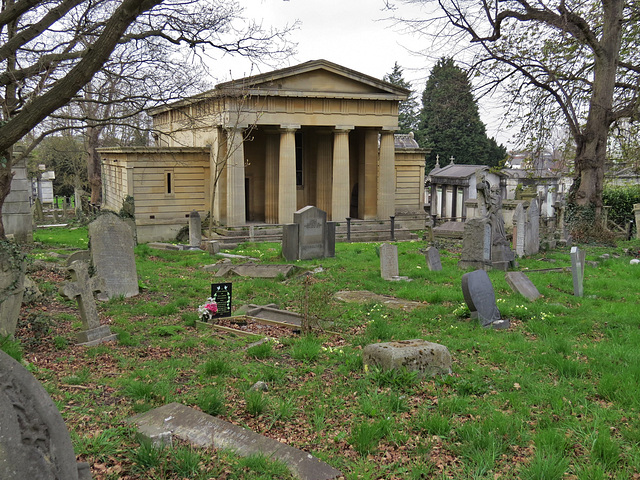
{"x": 310, "y": 236}
{"x": 484, "y": 242}
{"x": 80, "y": 289}
{"x": 34, "y": 441}
{"x": 112, "y": 255}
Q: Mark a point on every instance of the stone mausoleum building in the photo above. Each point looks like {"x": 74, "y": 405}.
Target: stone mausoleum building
{"x": 264, "y": 146}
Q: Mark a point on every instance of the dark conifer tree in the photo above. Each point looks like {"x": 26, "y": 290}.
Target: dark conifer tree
{"x": 408, "y": 115}
{"x": 450, "y": 123}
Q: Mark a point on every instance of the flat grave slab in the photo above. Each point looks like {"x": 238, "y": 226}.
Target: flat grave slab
{"x": 204, "y": 430}
{"x": 253, "y": 270}
{"x": 365, "y": 296}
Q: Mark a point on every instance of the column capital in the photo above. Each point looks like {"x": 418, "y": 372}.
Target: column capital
{"x": 289, "y": 128}
{"x": 343, "y": 128}
{"x": 389, "y": 129}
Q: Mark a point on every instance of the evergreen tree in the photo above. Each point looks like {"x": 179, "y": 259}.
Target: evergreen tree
{"x": 450, "y": 123}
{"x": 408, "y": 109}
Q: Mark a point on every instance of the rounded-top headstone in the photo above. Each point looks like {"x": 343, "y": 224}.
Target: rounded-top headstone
{"x": 34, "y": 441}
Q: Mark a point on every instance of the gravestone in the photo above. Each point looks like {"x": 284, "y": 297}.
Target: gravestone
{"x": 112, "y": 255}
{"x": 532, "y": 229}
{"x": 481, "y": 300}
{"x": 34, "y": 441}
{"x": 80, "y": 289}
{"x": 309, "y": 236}
{"x": 417, "y": 355}
{"x": 432, "y": 256}
{"x": 12, "y": 274}
{"x": 520, "y": 283}
{"x": 221, "y": 294}
{"x": 252, "y": 270}
{"x": 195, "y": 229}
{"x": 577, "y": 270}
{"x": 365, "y": 296}
{"x": 389, "y": 261}
{"x": 81, "y": 255}
{"x": 519, "y": 222}
{"x": 203, "y": 430}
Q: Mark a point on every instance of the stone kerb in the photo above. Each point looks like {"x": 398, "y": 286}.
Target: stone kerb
{"x": 112, "y": 255}
{"x": 34, "y": 440}
{"x": 417, "y": 355}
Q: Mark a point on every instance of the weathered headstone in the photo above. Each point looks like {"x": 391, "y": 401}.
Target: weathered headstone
{"x": 418, "y": 355}
{"x": 195, "y": 229}
{"x": 12, "y": 273}
{"x": 203, "y": 430}
{"x": 310, "y": 236}
{"x": 80, "y": 289}
{"x": 112, "y": 255}
{"x": 389, "y": 261}
{"x": 221, "y": 294}
{"x": 432, "y": 255}
{"x": 577, "y": 270}
{"x": 252, "y": 270}
{"x": 481, "y": 299}
{"x": 81, "y": 255}
{"x": 520, "y": 283}
{"x": 34, "y": 441}
{"x": 636, "y": 214}
{"x": 532, "y": 230}
{"x": 519, "y": 222}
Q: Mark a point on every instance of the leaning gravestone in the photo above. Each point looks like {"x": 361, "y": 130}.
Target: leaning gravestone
{"x": 112, "y": 255}
{"x": 195, "y": 229}
{"x": 310, "y": 236}
{"x": 432, "y": 255}
{"x": 519, "y": 222}
{"x": 481, "y": 300}
{"x": 532, "y": 229}
{"x": 34, "y": 441}
{"x": 12, "y": 274}
{"x": 80, "y": 289}
{"x": 577, "y": 270}
{"x": 520, "y": 283}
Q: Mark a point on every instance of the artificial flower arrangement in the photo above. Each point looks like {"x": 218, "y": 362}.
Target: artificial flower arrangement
{"x": 208, "y": 310}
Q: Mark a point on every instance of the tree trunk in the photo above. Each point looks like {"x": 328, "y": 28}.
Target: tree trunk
{"x": 591, "y": 143}
{"x": 5, "y": 185}
{"x": 94, "y": 165}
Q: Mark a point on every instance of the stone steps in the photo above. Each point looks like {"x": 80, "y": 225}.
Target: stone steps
{"x": 361, "y": 231}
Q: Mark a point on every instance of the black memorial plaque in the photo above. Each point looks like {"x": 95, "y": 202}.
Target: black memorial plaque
{"x": 221, "y": 294}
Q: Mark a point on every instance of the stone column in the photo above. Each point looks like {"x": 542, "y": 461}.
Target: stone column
{"x": 287, "y": 175}
{"x": 386, "y": 176}
{"x": 340, "y": 186}
{"x": 368, "y": 186}
{"x": 323, "y": 172}
{"x": 271, "y": 178}
{"x": 235, "y": 177}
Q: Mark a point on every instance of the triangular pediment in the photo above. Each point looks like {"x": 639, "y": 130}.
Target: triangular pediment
{"x": 316, "y": 78}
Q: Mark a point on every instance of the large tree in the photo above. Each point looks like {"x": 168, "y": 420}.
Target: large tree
{"x": 408, "y": 109}
{"x": 570, "y": 61}
{"x": 51, "y": 49}
{"x": 450, "y": 122}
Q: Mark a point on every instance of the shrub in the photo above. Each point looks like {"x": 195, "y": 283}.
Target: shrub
{"x": 621, "y": 200}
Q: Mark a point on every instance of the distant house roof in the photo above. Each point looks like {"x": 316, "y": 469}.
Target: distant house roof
{"x": 456, "y": 171}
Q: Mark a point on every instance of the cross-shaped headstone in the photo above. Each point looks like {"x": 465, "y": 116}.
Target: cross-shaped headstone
{"x": 452, "y": 159}
{"x": 80, "y": 289}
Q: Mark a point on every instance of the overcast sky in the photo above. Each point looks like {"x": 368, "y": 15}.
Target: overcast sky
{"x": 356, "y": 34}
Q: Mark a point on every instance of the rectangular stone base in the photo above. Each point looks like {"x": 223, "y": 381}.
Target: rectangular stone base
{"x": 426, "y": 358}
{"x": 95, "y": 336}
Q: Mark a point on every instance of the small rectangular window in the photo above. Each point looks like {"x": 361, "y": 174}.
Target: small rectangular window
{"x": 168, "y": 182}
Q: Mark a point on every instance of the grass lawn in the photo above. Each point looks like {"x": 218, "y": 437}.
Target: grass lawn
{"x": 554, "y": 397}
